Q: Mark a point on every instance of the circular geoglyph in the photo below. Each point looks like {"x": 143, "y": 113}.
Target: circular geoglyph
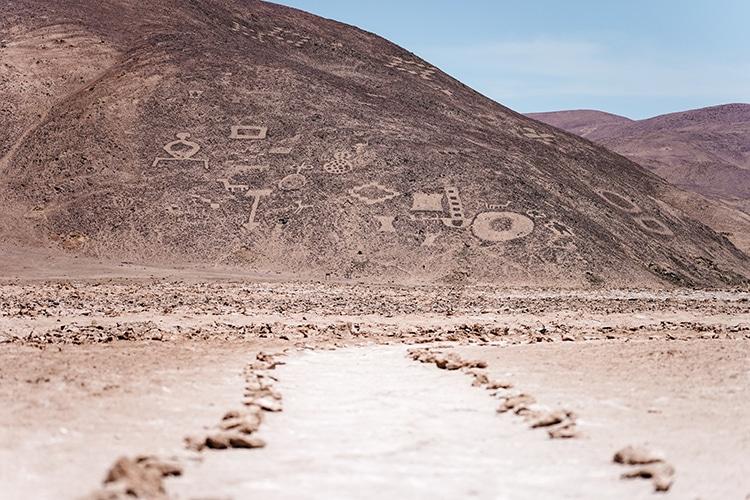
{"x": 654, "y": 225}
{"x": 501, "y": 226}
{"x": 619, "y": 201}
{"x": 292, "y": 182}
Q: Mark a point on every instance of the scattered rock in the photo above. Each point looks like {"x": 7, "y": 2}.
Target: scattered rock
{"x": 195, "y": 443}
{"x": 167, "y": 468}
{"x": 246, "y": 424}
{"x": 238, "y": 440}
{"x": 480, "y": 378}
{"x": 548, "y": 419}
{"x": 237, "y": 427}
{"x": 637, "y": 455}
{"x": 514, "y": 402}
{"x": 564, "y": 431}
{"x": 218, "y": 441}
{"x": 526, "y": 411}
{"x": 141, "y": 477}
{"x": 660, "y": 473}
{"x": 450, "y": 361}
{"x": 652, "y": 465}
{"x": 266, "y": 361}
{"x": 265, "y": 403}
{"x": 499, "y": 384}
{"x": 233, "y": 439}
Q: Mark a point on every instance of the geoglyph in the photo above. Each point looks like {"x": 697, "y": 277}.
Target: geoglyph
{"x": 181, "y": 150}
{"x": 501, "y": 226}
{"x": 248, "y": 132}
{"x": 373, "y": 193}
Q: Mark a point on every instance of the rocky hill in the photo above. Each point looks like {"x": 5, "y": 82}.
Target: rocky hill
{"x": 705, "y": 151}
{"x": 590, "y": 124}
{"x": 247, "y": 134}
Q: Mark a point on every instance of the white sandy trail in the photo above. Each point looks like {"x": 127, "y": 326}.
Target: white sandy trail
{"x": 363, "y": 423}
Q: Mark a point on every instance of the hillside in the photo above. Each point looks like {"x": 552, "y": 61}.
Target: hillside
{"x": 587, "y": 123}
{"x": 246, "y": 134}
{"x": 706, "y": 151}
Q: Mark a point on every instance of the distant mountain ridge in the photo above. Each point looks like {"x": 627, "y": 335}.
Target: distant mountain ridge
{"x": 706, "y": 151}
{"x": 587, "y": 123}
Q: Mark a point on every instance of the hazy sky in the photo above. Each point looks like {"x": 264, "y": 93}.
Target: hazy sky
{"x": 637, "y": 58}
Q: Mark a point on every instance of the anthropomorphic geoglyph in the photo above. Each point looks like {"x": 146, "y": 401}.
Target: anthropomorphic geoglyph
{"x": 181, "y": 151}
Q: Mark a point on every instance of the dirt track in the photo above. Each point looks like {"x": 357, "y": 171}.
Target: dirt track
{"x": 91, "y": 371}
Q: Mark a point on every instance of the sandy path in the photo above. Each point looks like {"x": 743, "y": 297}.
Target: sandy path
{"x": 370, "y": 423}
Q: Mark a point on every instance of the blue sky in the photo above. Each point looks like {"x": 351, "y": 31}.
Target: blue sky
{"x": 635, "y": 58}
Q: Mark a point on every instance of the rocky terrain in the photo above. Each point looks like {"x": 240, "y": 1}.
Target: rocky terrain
{"x": 178, "y": 389}
{"x": 246, "y": 134}
{"x": 704, "y": 151}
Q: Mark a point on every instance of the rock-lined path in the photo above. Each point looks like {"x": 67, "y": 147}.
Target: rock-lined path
{"x": 370, "y": 423}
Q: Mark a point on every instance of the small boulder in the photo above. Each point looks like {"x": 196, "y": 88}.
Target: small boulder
{"x": 637, "y": 455}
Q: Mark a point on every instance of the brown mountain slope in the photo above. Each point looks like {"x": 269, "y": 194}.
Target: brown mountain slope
{"x": 587, "y": 123}
{"x": 249, "y": 134}
{"x": 706, "y": 151}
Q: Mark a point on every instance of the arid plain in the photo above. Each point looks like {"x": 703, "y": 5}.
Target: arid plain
{"x": 94, "y": 370}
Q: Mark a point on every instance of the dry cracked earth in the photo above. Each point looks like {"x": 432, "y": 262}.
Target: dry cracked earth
{"x": 197, "y": 389}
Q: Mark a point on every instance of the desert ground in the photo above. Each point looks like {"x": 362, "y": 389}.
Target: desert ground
{"x": 95, "y": 370}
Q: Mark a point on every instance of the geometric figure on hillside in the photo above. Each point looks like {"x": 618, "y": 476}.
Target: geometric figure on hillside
{"x": 301, "y": 207}
{"x": 455, "y": 209}
{"x": 292, "y": 182}
{"x": 36, "y": 213}
{"x": 283, "y": 35}
{"x": 256, "y": 194}
{"x": 497, "y": 207}
{"x": 423, "y": 203}
{"x": 619, "y": 201}
{"x": 386, "y": 224}
{"x": 559, "y": 229}
{"x": 654, "y": 225}
{"x": 341, "y": 164}
{"x": 247, "y": 132}
{"x": 181, "y": 150}
{"x": 240, "y": 167}
{"x": 427, "y": 202}
{"x": 533, "y": 134}
{"x": 373, "y": 193}
{"x": 412, "y": 67}
{"x": 535, "y": 214}
{"x": 205, "y": 200}
{"x": 280, "y": 151}
{"x": 501, "y": 226}
{"x": 449, "y": 151}
{"x": 233, "y": 188}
